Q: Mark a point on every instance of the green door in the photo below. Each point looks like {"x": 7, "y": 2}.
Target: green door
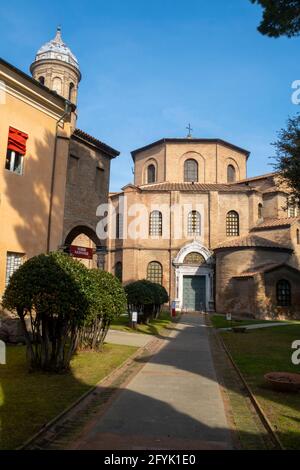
{"x": 194, "y": 293}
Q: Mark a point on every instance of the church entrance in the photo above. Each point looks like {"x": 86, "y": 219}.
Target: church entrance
{"x": 194, "y": 278}
{"x": 194, "y": 293}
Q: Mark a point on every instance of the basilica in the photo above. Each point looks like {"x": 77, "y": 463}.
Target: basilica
{"x": 191, "y": 220}
{"x": 217, "y": 240}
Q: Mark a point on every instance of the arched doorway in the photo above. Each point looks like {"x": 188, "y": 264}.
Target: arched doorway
{"x": 194, "y": 277}
{"x": 83, "y": 236}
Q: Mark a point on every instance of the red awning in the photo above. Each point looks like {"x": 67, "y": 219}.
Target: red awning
{"x": 17, "y": 141}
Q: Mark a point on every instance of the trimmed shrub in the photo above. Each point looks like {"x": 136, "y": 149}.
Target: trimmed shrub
{"x": 55, "y": 292}
{"x": 146, "y": 298}
{"x": 109, "y": 301}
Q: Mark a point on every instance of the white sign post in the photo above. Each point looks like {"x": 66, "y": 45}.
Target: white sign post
{"x": 134, "y": 319}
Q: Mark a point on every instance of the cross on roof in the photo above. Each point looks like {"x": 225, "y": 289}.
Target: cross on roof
{"x": 189, "y": 129}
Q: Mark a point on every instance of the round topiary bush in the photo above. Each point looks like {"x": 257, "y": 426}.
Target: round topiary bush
{"x": 146, "y": 298}
{"x": 56, "y": 292}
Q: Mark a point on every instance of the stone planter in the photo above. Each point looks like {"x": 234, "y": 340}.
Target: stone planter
{"x": 283, "y": 381}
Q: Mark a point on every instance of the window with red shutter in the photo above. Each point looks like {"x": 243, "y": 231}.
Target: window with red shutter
{"x": 16, "y": 150}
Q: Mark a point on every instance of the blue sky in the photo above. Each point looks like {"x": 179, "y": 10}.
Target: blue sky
{"x": 151, "y": 67}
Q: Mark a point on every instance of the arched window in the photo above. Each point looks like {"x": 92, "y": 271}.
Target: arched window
{"x": 298, "y": 236}
{"x": 232, "y": 224}
{"x": 194, "y": 258}
{"x": 71, "y": 90}
{"x": 259, "y": 210}
{"x": 42, "y": 80}
{"x": 155, "y": 223}
{"x": 283, "y": 293}
{"x": 151, "y": 176}
{"x": 154, "y": 272}
{"x": 190, "y": 170}
{"x": 57, "y": 85}
{"x": 118, "y": 270}
{"x": 231, "y": 174}
{"x": 194, "y": 223}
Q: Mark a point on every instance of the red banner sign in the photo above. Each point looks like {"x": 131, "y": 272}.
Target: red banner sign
{"x": 81, "y": 252}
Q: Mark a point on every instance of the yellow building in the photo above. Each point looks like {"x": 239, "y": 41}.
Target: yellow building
{"x": 53, "y": 176}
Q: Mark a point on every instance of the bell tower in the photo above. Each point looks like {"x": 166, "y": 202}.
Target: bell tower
{"x": 56, "y": 67}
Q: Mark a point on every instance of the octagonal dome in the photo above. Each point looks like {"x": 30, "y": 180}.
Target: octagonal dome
{"x": 56, "y": 49}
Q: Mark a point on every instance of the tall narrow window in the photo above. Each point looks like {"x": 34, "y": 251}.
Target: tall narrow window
{"x": 190, "y": 170}
{"x": 118, "y": 270}
{"x": 194, "y": 223}
{"x": 283, "y": 293}
{"x": 232, "y": 224}
{"x": 154, "y": 272}
{"x": 57, "y": 85}
{"x": 151, "y": 176}
{"x": 231, "y": 174}
{"x": 13, "y": 262}
{"x": 119, "y": 225}
{"x": 259, "y": 210}
{"x": 298, "y": 236}
{"x": 155, "y": 223}
{"x": 42, "y": 80}
{"x": 293, "y": 207}
{"x": 71, "y": 92}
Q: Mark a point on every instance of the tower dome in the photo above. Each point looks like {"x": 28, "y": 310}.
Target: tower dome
{"x": 57, "y": 67}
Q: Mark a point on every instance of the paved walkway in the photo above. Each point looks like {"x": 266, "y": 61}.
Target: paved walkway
{"x": 174, "y": 401}
{"x": 127, "y": 338}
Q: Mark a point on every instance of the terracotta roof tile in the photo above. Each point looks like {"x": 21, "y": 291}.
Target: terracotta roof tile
{"x": 263, "y": 269}
{"x": 258, "y": 270}
{"x": 250, "y": 241}
{"x": 259, "y": 177}
{"x": 92, "y": 140}
{"x": 275, "y": 222}
{"x": 195, "y": 187}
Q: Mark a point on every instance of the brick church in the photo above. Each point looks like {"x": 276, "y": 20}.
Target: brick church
{"x": 191, "y": 220}
{"x": 217, "y": 240}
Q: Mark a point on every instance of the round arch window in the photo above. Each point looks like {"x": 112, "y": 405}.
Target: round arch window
{"x": 154, "y": 272}
{"x": 151, "y": 173}
{"x": 194, "y": 258}
{"x": 283, "y": 293}
{"x": 231, "y": 174}
{"x": 190, "y": 171}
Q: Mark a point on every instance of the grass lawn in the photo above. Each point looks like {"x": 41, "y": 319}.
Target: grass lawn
{"x": 258, "y": 352}
{"x": 219, "y": 321}
{"x": 153, "y": 328}
{"x": 30, "y": 400}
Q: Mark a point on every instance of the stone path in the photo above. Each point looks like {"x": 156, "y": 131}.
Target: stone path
{"x": 174, "y": 401}
{"x": 127, "y": 338}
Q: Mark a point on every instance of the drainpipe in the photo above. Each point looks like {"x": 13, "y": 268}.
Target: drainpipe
{"x": 67, "y": 111}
